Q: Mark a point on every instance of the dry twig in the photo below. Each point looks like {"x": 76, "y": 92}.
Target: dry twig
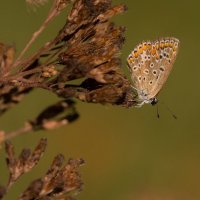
{"x": 87, "y": 50}
{"x": 61, "y": 180}
{"x": 88, "y": 47}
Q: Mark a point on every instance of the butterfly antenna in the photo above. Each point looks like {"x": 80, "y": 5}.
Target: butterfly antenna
{"x": 157, "y": 112}
{"x": 170, "y": 111}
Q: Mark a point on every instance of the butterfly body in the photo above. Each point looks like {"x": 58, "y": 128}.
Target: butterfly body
{"x": 150, "y": 64}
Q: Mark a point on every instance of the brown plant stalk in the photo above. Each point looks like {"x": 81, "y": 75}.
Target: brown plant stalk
{"x": 87, "y": 46}
{"x": 86, "y": 50}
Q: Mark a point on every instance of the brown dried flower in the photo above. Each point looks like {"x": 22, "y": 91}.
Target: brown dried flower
{"x": 87, "y": 49}
{"x": 25, "y": 162}
{"x": 54, "y": 116}
{"x": 88, "y": 46}
{"x": 62, "y": 181}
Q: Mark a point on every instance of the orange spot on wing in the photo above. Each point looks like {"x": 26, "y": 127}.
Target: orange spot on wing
{"x": 149, "y": 46}
{"x": 131, "y": 60}
{"x": 140, "y": 50}
{"x": 162, "y": 45}
{"x": 167, "y": 44}
{"x": 135, "y": 54}
{"x": 157, "y": 46}
{"x": 157, "y": 56}
{"x": 144, "y": 47}
{"x": 153, "y": 51}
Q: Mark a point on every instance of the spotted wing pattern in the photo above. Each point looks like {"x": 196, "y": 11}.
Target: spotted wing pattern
{"x": 150, "y": 64}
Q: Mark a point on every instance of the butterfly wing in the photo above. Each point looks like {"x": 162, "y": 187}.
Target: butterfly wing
{"x": 150, "y": 64}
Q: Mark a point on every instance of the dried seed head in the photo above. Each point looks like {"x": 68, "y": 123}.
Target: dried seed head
{"x": 56, "y": 115}
{"x": 25, "y": 162}
{"x": 49, "y": 71}
{"x": 62, "y": 181}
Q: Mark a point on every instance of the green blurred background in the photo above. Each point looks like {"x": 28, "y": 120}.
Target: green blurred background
{"x": 129, "y": 153}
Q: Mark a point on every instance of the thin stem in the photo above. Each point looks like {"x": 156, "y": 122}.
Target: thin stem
{"x": 54, "y": 11}
{"x": 47, "y": 62}
{"x": 19, "y": 75}
{"x": 27, "y": 127}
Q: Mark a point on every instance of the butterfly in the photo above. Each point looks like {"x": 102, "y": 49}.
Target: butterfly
{"x": 150, "y": 64}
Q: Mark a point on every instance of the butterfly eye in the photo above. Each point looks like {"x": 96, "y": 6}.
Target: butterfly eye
{"x": 146, "y": 71}
{"x": 154, "y": 101}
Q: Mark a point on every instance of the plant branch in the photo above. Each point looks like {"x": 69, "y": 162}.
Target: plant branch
{"x": 54, "y": 12}
{"x": 26, "y": 128}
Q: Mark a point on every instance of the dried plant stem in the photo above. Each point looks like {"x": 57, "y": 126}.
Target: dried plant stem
{"x": 86, "y": 50}
{"x": 51, "y": 57}
{"x": 21, "y": 74}
{"x": 26, "y": 128}
{"x": 52, "y": 14}
{"x": 25, "y": 63}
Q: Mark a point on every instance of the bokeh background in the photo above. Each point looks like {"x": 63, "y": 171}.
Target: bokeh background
{"x": 129, "y": 153}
